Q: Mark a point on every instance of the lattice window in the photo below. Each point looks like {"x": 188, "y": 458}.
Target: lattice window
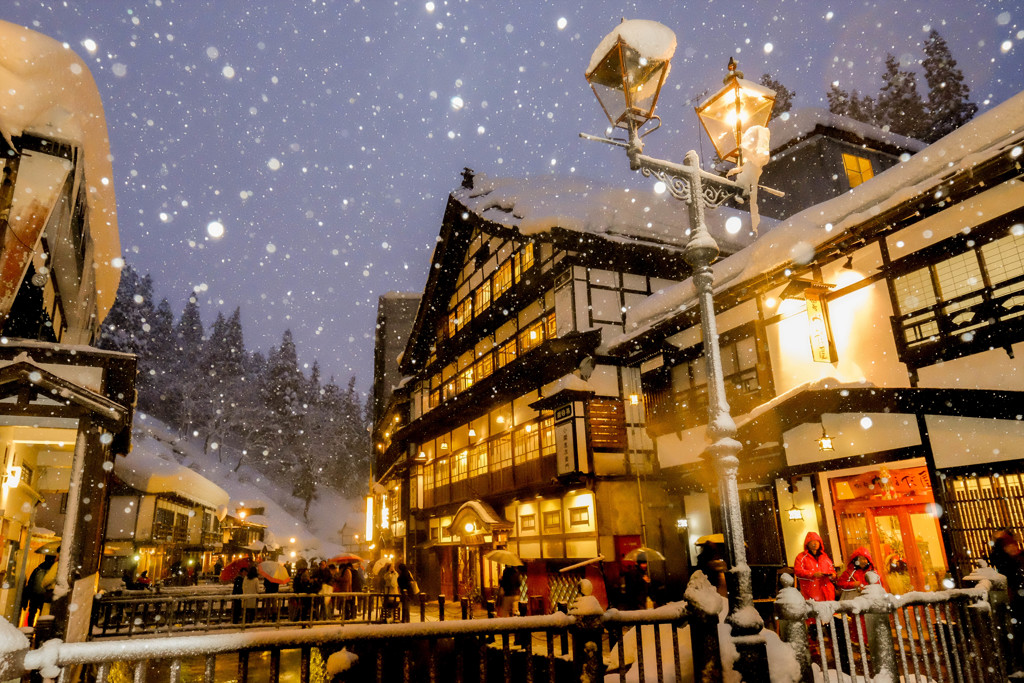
{"x": 858, "y": 169}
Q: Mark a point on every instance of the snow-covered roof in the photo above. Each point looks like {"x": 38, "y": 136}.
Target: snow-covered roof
{"x": 147, "y": 470}
{"x": 48, "y": 91}
{"x": 998, "y": 131}
{"x": 800, "y": 123}
{"x": 537, "y": 204}
{"x": 650, "y": 39}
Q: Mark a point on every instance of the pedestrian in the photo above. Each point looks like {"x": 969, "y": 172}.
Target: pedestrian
{"x": 712, "y": 561}
{"x": 271, "y": 605}
{"x": 250, "y": 586}
{"x": 236, "y": 603}
{"x": 511, "y": 587}
{"x": 343, "y": 584}
{"x": 218, "y": 567}
{"x": 389, "y": 587}
{"x": 143, "y": 582}
{"x": 39, "y": 589}
{"x": 636, "y": 584}
{"x": 407, "y": 588}
{"x": 853, "y": 580}
{"x": 814, "y": 570}
{"x": 303, "y": 586}
{"x": 1007, "y": 558}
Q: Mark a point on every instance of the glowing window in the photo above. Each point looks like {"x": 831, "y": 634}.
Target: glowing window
{"x": 858, "y": 169}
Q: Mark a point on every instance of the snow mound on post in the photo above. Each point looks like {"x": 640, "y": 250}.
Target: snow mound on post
{"x": 649, "y": 38}
{"x": 341, "y": 662}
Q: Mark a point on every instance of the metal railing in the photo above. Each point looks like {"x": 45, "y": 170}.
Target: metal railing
{"x": 952, "y": 635}
{"x": 553, "y": 647}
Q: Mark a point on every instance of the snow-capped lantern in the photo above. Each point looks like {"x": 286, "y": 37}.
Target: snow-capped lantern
{"x": 738, "y": 106}
{"x": 628, "y": 68}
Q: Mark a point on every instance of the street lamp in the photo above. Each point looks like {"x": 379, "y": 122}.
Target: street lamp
{"x": 633, "y": 61}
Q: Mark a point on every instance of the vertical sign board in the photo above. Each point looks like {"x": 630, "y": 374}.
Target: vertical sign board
{"x": 823, "y": 346}
{"x": 565, "y": 440}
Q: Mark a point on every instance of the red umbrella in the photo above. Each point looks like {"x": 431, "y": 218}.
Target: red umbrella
{"x": 273, "y": 571}
{"x": 230, "y": 572}
{"x": 346, "y": 557}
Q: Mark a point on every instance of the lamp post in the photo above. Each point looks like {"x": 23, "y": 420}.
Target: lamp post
{"x": 631, "y": 64}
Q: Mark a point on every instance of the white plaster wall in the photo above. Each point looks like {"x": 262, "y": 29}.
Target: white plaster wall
{"x": 958, "y": 441}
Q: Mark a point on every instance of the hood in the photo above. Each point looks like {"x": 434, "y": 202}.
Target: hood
{"x": 864, "y": 552}
{"x": 813, "y": 536}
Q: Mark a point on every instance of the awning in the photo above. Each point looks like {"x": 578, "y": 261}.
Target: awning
{"x": 477, "y": 517}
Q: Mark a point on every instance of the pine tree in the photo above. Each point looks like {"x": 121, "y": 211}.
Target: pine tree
{"x": 126, "y": 327}
{"x": 190, "y": 393}
{"x": 783, "y": 95}
{"x": 949, "y": 105}
{"x": 899, "y": 106}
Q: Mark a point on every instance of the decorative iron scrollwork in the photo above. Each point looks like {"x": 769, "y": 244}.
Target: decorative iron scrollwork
{"x": 679, "y": 187}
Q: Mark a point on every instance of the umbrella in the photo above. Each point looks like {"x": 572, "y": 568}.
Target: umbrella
{"x": 711, "y": 538}
{"x": 380, "y": 564}
{"x": 346, "y": 557}
{"x": 643, "y": 554}
{"x": 504, "y": 557}
{"x": 273, "y": 571}
{"x": 230, "y": 572}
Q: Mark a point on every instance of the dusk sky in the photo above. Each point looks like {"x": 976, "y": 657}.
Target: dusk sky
{"x": 324, "y": 137}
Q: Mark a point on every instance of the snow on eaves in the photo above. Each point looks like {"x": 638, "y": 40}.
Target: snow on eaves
{"x": 998, "y": 131}
{"x": 49, "y": 91}
{"x": 536, "y": 205}
{"x": 145, "y": 468}
{"x": 801, "y": 123}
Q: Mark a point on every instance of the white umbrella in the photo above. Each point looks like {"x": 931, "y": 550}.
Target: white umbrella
{"x": 504, "y": 557}
{"x": 379, "y": 565}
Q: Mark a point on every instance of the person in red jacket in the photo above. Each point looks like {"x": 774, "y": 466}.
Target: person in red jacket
{"x": 854, "y": 577}
{"x": 814, "y": 570}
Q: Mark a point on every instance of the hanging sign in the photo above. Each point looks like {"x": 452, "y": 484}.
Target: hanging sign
{"x": 823, "y": 347}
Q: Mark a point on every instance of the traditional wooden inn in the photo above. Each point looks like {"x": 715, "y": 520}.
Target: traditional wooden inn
{"x": 508, "y": 431}
{"x": 67, "y": 408}
{"x": 872, "y": 355}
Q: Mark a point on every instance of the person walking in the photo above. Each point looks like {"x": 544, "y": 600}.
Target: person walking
{"x": 510, "y": 585}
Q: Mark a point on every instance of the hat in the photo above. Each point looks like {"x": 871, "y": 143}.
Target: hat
{"x": 711, "y": 538}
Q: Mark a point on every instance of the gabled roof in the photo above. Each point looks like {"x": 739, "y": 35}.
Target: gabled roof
{"x": 591, "y": 216}
{"x": 992, "y": 140}
{"x": 793, "y": 127}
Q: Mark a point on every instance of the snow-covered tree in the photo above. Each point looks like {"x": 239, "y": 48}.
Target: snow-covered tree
{"x": 852, "y": 104}
{"x": 949, "y": 105}
{"x": 783, "y": 95}
{"x": 899, "y": 106}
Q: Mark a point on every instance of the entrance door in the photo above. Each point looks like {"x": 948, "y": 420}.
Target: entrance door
{"x": 888, "y": 512}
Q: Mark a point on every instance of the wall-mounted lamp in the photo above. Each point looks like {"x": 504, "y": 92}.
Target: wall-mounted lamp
{"x": 825, "y": 442}
{"x": 472, "y": 432}
{"x": 470, "y": 527}
{"x": 682, "y": 523}
{"x": 444, "y": 445}
{"x": 13, "y": 476}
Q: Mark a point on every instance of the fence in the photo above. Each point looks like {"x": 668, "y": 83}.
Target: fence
{"x": 554, "y": 647}
{"x": 952, "y": 635}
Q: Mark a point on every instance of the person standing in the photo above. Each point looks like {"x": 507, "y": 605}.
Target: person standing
{"x": 1007, "y": 558}
{"x": 389, "y": 584}
{"x": 814, "y": 570}
{"x": 39, "y": 589}
{"x": 407, "y": 588}
{"x": 250, "y": 586}
{"x": 510, "y": 585}
{"x": 852, "y": 581}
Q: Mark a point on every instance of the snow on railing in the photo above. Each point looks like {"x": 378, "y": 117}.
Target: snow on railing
{"x": 948, "y": 635}
{"x": 559, "y": 646}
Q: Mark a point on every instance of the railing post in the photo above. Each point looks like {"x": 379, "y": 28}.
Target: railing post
{"x": 465, "y": 608}
{"x": 791, "y": 613}
{"x": 706, "y": 605}
{"x": 587, "y": 635}
{"x": 998, "y": 597}
{"x": 490, "y": 609}
{"x": 880, "y": 646}
{"x": 564, "y": 635}
{"x": 440, "y": 606}
{"x": 423, "y": 606}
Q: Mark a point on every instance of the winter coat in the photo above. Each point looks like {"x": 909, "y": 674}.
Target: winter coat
{"x": 807, "y": 565}
{"x": 343, "y": 580}
{"x": 250, "y": 586}
{"x": 854, "y": 577}
{"x": 391, "y": 582}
